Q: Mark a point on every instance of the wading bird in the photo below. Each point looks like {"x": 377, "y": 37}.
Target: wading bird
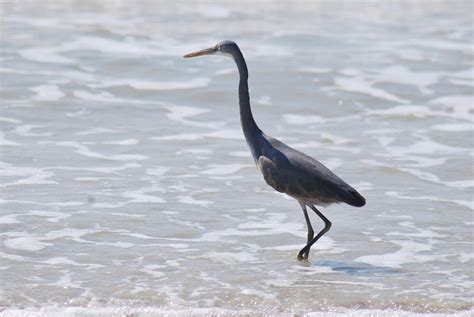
{"x": 285, "y": 169}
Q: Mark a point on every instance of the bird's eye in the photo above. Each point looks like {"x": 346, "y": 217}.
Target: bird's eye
{"x": 218, "y": 47}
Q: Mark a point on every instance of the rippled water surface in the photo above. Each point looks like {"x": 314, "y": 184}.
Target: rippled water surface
{"x": 127, "y": 186}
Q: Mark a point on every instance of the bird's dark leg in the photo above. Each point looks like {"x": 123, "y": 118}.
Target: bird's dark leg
{"x": 327, "y": 225}
{"x": 303, "y": 256}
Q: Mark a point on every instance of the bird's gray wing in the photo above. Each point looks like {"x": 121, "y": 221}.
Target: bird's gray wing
{"x": 281, "y": 179}
{"x": 270, "y": 173}
{"x": 314, "y": 183}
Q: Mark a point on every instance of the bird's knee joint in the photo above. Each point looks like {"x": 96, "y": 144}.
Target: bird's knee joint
{"x": 328, "y": 225}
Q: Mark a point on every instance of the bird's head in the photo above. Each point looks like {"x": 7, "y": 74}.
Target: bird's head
{"x": 226, "y": 48}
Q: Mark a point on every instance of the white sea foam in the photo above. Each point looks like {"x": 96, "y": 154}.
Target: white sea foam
{"x": 454, "y": 127}
{"x": 25, "y": 175}
{"x": 427, "y": 176}
{"x": 186, "y": 223}
{"x": 153, "y": 270}
{"x": 66, "y": 261}
{"x": 181, "y": 247}
{"x": 412, "y": 111}
{"x": 157, "y": 171}
{"x": 332, "y": 163}
{"x": 466, "y": 73}
{"x": 460, "y": 184}
{"x": 75, "y": 234}
{"x": 138, "y": 235}
{"x": 9, "y": 120}
{"x": 187, "y": 199}
{"x": 106, "y": 205}
{"x": 421, "y": 233}
{"x": 460, "y": 105}
{"x": 274, "y": 224}
{"x": 226, "y": 71}
{"x": 444, "y": 45}
{"x": 263, "y": 100}
{"x": 125, "y": 309}
{"x": 12, "y": 257}
{"x": 47, "y": 93}
{"x": 181, "y": 113}
{"x": 315, "y": 70}
{"x": 115, "y": 214}
{"x": 286, "y": 247}
{"x": 37, "y": 22}
{"x": 44, "y": 55}
{"x": 106, "y": 169}
{"x": 412, "y": 55}
{"x": 302, "y": 119}
{"x": 328, "y": 137}
{"x": 85, "y": 151}
{"x": 219, "y": 134}
{"x": 465, "y": 257}
{"x": 9, "y": 218}
{"x": 313, "y": 270}
{"x": 425, "y": 146}
{"x": 363, "y": 85}
{"x": 196, "y": 153}
{"x": 402, "y": 75}
{"x": 230, "y": 257}
{"x": 26, "y": 243}
{"x": 24, "y": 130}
{"x": 462, "y": 82}
{"x": 96, "y": 130}
{"x": 78, "y": 114}
{"x": 109, "y": 46}
{"x": 5, "y": 142}
{"x": 223, "y": 169}
{"x": 181, "y": 137}
{"x": 102, "y": 96}
{"x": 325, "y": 245}
{"x": 214, "y": 11}
{"x": 272, "y": 50}
{"x": 464, "y": 203}
{"x": 140, "y": 84}
{"x": 123, "y": 142}
{"x": 51, "y": 216}
{"x": 140, "y": 195}
{"x": 239, "y": 154}
{"x": 408, "y": 253}
{"x": 94, "y": 179}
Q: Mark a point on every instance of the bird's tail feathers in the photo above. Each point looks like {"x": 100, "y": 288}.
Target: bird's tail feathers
{"x": 353, "y": 198}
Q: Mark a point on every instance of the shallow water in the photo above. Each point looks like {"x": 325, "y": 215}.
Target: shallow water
{"x": 127, "y": 186}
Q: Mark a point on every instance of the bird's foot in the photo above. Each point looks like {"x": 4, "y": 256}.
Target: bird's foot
{"x": 303, "y": 254}
{"x": 302, "y": 257}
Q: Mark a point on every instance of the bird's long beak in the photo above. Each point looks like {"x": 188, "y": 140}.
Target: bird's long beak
{"x": 207, "y": 51}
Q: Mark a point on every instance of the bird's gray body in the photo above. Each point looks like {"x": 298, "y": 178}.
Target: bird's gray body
{"x": 300, "y": 176}
{"x": 285, "y": 169}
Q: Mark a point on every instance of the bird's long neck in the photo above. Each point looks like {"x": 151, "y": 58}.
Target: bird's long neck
{"x": 250, "y": 128}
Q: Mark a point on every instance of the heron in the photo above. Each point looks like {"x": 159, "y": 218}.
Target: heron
{"x": 284, "y": 168}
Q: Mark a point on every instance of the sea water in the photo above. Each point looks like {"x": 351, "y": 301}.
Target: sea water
{"x": 127, "y": 187}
